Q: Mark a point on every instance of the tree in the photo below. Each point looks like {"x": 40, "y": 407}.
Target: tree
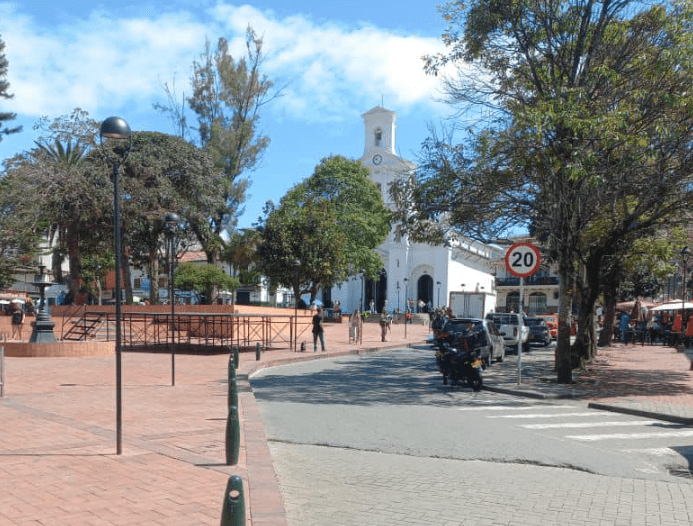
{"x": 63, "y": 190}
{"x": 325, "y": 229}
{"x": 241, "y": 252}
{"x": 204, "y": 279}
{"x": 586, "y": 134}
{"x": 227, "y": 97}
{"x": 4, "y": 88}
{"x": 165, "y": 174}
{"x": 58, "y": 194}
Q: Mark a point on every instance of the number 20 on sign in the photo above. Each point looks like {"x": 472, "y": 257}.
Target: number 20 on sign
{"x": 522, "y": 260}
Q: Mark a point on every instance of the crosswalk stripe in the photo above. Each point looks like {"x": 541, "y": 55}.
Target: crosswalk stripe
{"x": 656, "y": 451}
{"x": 508, "y": 408}
{"x": 547, "y": 415}
{"x": 663, "y": 434}
{"x": 590, "y": 424}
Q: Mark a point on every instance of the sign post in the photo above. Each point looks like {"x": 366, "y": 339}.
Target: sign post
{"x": 522, "y": 260}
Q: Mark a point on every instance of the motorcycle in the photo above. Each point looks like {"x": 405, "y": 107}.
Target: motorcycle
{"x": 461, "y": 363}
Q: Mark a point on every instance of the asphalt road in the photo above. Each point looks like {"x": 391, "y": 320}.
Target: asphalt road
{"x": 373, "y": 423}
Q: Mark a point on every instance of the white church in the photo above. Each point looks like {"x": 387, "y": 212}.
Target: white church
{"x": 412, "y": 272}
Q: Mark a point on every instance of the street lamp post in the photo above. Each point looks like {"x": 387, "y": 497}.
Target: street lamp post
{"x": 171, "y": 221}
{"x": 297, "y": 266}
{"x": 116, "y": 130}
{"x": 406, "y": 305}
{"x": 398, "y": 311}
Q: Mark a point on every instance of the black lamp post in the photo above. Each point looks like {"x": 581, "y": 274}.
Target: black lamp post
{"x": 43, "y": 326}
{"x": 116, "y": 130}
{"x": 171, "y": 221}
{"x": 397, "y": 287}
{"x": 406, "y": 305}
{"x": 297, "y": 266}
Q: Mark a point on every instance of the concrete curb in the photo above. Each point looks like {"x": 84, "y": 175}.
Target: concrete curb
{"x": 624, "y": 409}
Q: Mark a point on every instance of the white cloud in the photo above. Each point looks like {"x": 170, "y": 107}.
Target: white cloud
{"x": 100, "y": 63}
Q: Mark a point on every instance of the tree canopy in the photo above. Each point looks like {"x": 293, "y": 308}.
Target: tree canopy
{"x": 325, "y": 229}
{"x": 585, "y": 134}
{"x": 63, "y": 190}
{"x": 228, "y": 94}
{"x": 203, "y": 278}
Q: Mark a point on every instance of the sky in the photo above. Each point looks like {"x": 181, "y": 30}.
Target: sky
{"x": 336, "y": 60}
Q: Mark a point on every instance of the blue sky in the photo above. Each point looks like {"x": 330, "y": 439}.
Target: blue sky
{"x": 338, "y": 59}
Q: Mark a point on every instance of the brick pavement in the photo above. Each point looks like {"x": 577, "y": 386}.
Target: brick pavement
{"x": 57, "y": 439}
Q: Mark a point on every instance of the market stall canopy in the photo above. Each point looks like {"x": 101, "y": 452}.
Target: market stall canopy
{"x": 674, "y": 305}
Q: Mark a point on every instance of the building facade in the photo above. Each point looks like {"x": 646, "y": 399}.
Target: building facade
{"x": 412, "y": 273}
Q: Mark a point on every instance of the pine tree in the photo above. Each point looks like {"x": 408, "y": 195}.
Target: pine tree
{"x": 4, "y": 87}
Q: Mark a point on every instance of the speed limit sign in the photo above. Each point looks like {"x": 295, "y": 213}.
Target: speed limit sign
{"x": 522, "y": 260}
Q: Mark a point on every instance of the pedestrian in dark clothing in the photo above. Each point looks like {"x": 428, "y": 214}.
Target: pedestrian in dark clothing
{"x": 318, "y": 331}
{"x": 624, "y": 326}
{"x": 17, "y": 321}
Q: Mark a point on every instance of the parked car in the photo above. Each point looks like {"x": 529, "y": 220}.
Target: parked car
{"x": 552, "y": 321}
{"x": 538, "y": 331}
{"x": 492, "y": 343}
{"x": 513, "y": 329}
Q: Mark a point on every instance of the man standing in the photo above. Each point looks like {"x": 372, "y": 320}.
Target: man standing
{"x": 17, "y": 321}
{"x": 318, "y": 331}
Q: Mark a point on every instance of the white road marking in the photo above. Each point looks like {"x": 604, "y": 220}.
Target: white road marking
{"x": 590, "y": 424}
{"x": 663, "y": 434}
{"x": 547, "y": 415}
{"x": 655, "y": 451}
{"x": 510, "y": 408}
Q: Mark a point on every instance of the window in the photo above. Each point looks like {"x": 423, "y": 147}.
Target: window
{"x": 378, "y": 137}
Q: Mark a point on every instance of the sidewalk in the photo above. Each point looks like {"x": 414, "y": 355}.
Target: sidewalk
{"x": 57, "y": 439}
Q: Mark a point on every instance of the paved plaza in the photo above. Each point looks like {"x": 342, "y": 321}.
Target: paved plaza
{"x": 58, "y": 464}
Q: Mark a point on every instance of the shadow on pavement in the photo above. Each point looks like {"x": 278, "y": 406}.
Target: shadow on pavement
{"x": 383, "y": 378}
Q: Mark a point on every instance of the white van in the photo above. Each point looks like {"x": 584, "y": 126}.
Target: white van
{"x": 513, "y": 329}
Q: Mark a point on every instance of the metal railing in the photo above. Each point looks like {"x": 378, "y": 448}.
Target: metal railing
{"x": 531, "y": 280}
{"x": 211, "y": 332}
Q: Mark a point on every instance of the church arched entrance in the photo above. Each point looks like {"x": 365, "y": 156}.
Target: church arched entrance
{"x": 376, "y": 292}
{"x": 425, "y": 291}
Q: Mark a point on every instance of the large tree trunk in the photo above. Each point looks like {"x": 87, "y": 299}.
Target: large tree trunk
{"x": 564, "y": 367}
{"x": 607, "y": 333}
{"x": 154, "y": 276}
{"x": 127, "y": 275}
{"x": 585, "y": 342}
{"x": 75, "y": 259}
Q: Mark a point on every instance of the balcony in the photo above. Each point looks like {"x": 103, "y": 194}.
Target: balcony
{"x": 532, "y": 280}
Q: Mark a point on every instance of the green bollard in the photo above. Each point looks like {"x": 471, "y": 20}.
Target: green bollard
{"x": 236, "y": 356}
{"x": 258, "y": 352}
{"x": 233, "y": 436}
{"x": 232, "y": 398}
{"x": 233, "y": 510}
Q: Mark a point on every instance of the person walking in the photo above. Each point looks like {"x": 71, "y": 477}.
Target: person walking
{"x": 17, "y": 321}
{"x": 624, "y": 326}
{"x": 318, "y": 331}
{"x": 355, "y": 327}
{"x": 384, "y": 324}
